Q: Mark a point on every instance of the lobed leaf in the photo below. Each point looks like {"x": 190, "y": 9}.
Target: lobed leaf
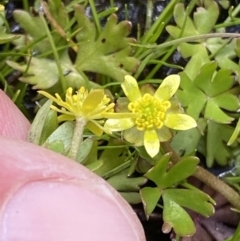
{"x": 213, "y": 112}
{"x": 42, "y": 73}
{"x": 32, "y": 25}
{"x": 216, "y": 149}
{"x": 204, "y": 20}
{"x": 164, "y": 178}
{"x": 122, "y": 182}
{"x": 191, "y": 96}
{"x": 150, "y": 197}
{"x": 131, "y": 197}
{"x": 206, "y": 16}
{"x": 195, "y": 200}
{"x": 156, "y": 173}
{"x": 225, "y": 51}
{"x": 109, "y": 53}
{"x": 177, "y": 218}
{"x": 186, "y": 142}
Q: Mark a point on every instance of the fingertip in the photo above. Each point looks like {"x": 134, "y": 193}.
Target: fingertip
{"x": 45, "y": 196}
{"x": 12, "y": 122}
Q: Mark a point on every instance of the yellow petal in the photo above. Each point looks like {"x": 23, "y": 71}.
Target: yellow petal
{"x": 168, "y": 87}
{"x": 134, "y": 136}
{"x": 164, "y": 134}
{"x": 179, "y": 121}
{"x": 151, "y": 142}
{"x": 65, "y": 117}
{"x": 118, "y": 124}
{"x": 93, "y": 99}
{"x": 119, "y": 115}
{"x": 46, "y": 94}
{"x": 130, "y": 88}
{"x": 94, "y": 128}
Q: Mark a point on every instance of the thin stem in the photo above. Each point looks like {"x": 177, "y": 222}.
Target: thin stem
{"x": 188, "y": 39}
{"x": 77, "y": 137}
{"x": 149, "y": 15}
{"x": 95, "y": 16}
{"x": 209, "y": 179}
{"x": 55, "y": 53}
{"x": 57, "y": 27}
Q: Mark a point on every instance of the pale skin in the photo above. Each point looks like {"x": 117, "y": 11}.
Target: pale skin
{"x": 45, "y": 196}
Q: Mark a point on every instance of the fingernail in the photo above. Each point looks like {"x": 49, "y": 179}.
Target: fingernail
{"x": 62, "y": 211}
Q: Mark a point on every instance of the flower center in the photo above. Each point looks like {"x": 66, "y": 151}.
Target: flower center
{"x": 151, "y": 111}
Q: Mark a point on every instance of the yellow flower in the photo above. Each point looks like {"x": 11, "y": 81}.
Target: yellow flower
{"x": 92, "y": 107}
{"x": 155, "y": 113}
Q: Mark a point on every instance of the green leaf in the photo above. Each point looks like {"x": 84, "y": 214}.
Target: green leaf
{"x": 62, "y": 134}
{"x": 94, "y": 166}
{"x": 182, "y": 20}
{"x": 107, "y": 53}
{"x": 213, "y": 112}
{"x": 150, "y": 197}
{"x": 204, "y": 79}
{"x": 191, "y": 138}
{"x": 111, "y": 157}
{"x": 209, "y": 93}
{"x": 178, "y": 172}
{"x": 216, "y": 85}
{"x": 235, "y": 133}
{"x": 224, "y": 52}
{"x": 186, "y": 167}
{"x": 93, "y": 154}
{"x": 59, "y": 13}
{"x": 131, "y": 197}
{"x": 84, "y": 150}
{"x": 58, "y": 19}
{"x": 191, "y": 96}
{"x": 192, "y": 199}
{"x": 5, "y": 38}
{"x": 50, "y": 125}
{"x": 186, "y": 27}
{"x": 37, "y": 126}
{"x": 56, "y": 146}
{"x": 177, "y": 218}
{"x": 42, "y": 73}
{"x": 227, "y": 101}
{"x": 199, "y": 58}
{"x": 206, "y": 16}
{"x": 157, "y": 172}
{"x": 216, "y": 149}
{"x": 32, "y": 25}
{"x": 122, "y": 182}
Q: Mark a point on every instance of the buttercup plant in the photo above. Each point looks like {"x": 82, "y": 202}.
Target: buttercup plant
{"x": 88, "y": 109}
{"x": 147, "y": 122}
{"x": 154, "y": 115}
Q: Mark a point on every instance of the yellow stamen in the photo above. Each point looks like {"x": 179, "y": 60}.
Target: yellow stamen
{"x": 151, "y": 111}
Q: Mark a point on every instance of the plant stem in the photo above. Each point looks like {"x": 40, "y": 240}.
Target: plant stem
{"x": 55, "y": 52}
{"x": 209, "y": 179}
{"x": 95, "y": 16}
{"x": 193, "y": 38}
{"x": 149, "y": 14}
{"x": 77, "y": 137}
